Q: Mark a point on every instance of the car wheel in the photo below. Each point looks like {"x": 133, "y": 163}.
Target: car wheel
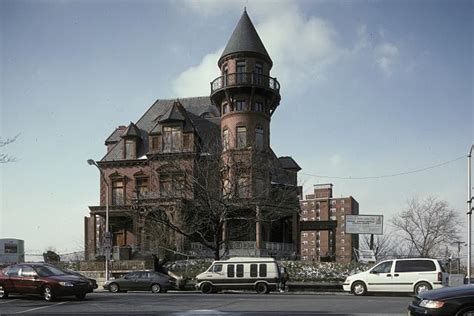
{"x": 3, "y": 292}
{"x": 81, "y": 296}
{"x": 114, "y": 288}
{"x": 48, "y": 294}
{"x": 358, "y": 288}
{"x": 261, "y": 288}
{"x": 466, "y": 311}
{"x": 207, "y": 288}
{"x": 156, "y": 288}
{"x": 422, "y": 287}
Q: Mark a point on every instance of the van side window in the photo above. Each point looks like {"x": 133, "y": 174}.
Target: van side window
{"x": 384, "y": 267}
{"x": 263, "y": 270}
{"x": 240, "y": 270}
{"x": 217, "y": 268}
{"x": 415, "y": 266}
{"x": 230, "y": 271}
{"x": 253, "y": 270}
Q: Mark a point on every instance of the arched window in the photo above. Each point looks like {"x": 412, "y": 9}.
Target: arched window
{"x": 241, "y": 137}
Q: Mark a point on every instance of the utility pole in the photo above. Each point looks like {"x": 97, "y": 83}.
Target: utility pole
{"x": 469, "y": 213}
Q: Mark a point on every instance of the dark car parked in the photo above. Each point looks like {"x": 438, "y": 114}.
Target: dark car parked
{"x": 93, "y": 281}
{"x": 140, "y": 281}
{"x": 452, "y": 301}
{"x": 44, "y": 279}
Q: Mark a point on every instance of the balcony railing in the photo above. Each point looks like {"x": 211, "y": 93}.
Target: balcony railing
{"x": 245, "y": 79}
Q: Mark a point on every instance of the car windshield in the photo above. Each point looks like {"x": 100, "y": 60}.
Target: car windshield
{"x": 49, "y": 271}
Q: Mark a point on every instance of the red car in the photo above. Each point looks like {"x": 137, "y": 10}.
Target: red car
{"x": 44, "y": 279}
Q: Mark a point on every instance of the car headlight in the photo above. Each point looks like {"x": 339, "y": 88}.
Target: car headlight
{"x": 66, "y": 284}
{"x": 431, "y": 304}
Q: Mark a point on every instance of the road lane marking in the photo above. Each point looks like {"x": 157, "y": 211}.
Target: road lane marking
{"x": 9, "y": 301}
{"x": 34, "y": 309}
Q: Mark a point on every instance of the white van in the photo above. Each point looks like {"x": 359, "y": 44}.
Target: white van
{"x": 240, "y": 273}
{"x": 399, "y": 275}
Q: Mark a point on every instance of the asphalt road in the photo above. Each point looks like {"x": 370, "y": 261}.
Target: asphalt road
{"x": 227, "y": 304}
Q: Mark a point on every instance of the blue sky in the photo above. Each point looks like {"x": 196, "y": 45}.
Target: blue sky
{"x": 369, "y": 88}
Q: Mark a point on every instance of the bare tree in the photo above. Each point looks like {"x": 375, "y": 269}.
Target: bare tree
{"x": 384, "y": 245}
{"x": 5, "y": 158}
{"x": 427, "y": 225}
{"x": 208, "y": 198}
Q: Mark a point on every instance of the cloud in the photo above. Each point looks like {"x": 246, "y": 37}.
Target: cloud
{"x": 386, "y": 55}
{"x": 302, "y": 47}
{"x": 195, "y": 81}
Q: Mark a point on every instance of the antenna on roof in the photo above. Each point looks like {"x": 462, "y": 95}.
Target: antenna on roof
{"x": 245, "y": 8}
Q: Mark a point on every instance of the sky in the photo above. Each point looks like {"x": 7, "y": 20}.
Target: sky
{"x": 370, "y": 89}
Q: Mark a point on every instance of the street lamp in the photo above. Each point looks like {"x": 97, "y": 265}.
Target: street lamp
{"x": 107, "y": 233}
{"x": 469, "y": 213}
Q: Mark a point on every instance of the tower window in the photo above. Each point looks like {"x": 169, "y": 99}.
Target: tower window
{"x": 240, "y": 69}
{"x": 258, "y": 73}
{"x": 259, "y": 137}
{"x": 243, "y": 187}
{"x": 258, "y": 107}
{"x": 240, "y": 105}
{"x": 241, "y": 137}
{"x": 225, "y": 73}
{"x": 225, "y": 108}
{"x": 225, "y": 139}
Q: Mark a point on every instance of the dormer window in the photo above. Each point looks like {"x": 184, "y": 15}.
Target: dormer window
{"x": 130, "y": 149}
{"x": 171, "y": 139}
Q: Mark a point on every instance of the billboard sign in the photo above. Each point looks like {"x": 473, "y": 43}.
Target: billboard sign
{"x": 364, "y": 224}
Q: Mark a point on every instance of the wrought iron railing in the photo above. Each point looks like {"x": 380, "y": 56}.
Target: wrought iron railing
{"x": 245, "y": 78}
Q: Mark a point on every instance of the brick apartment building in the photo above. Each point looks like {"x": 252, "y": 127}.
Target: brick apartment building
{"x": 323, "y": 234}
{"x": 154, "y": 164}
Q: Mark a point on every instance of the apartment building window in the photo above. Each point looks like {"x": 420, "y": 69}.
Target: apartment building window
{"x": 259, "y": 137}
{"x": 333, "y": 202}
{"x": 305, "y": 219}
{"x": 305, "y": 242}
{"x": 118, "y": 192}
{"x": 305, "y": 203}
{"x": 342, "y": 201}
{"x": 240, "y": 69}
{"x": 225, "y": 139}
{"x": 241, "y": 137}
{"x": 171, "y": 139}
{"x": 333, "y": 218}
{"x": 240, "y": 105}
{"x": 305, "y": 211}
{"x": 343, "y": 217}
{"x": 342, "y": 209}
{"x": 305, "y": 234}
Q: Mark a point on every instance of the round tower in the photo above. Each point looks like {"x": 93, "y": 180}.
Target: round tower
{"x": 245, "y": 94}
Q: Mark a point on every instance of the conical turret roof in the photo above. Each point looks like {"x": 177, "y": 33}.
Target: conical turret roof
{"x": 245, "y": 39}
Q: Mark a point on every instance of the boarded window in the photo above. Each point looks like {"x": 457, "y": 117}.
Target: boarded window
{"x": 118, "y": 193}
{"x": 225, "y": 139}
{"x": 187, "y": 142}
{"x": 129, "y": 149}
{"x": 241, "y": 137}
{"x": 171, "y": 139}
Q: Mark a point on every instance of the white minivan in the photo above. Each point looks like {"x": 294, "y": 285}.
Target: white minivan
{"x": 399, "y": 275}
{"x": 240, "y": 273}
